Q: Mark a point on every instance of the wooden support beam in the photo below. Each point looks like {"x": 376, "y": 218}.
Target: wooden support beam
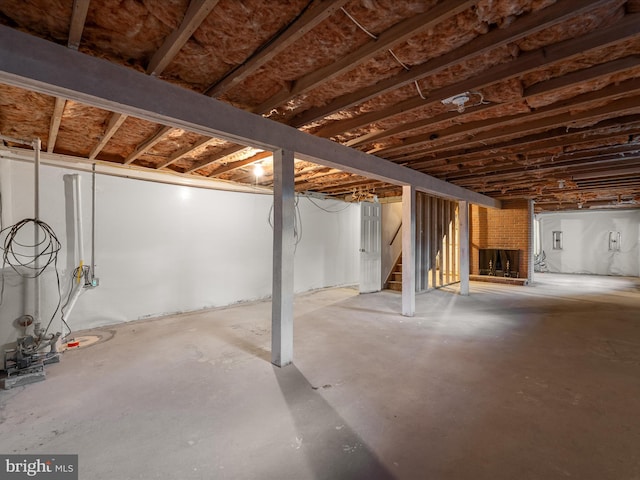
{"x": 396, "y": 34}
{"x": 115, "y": 121}
{"x": 78, "y": 18}
{"x": 283, "y": 264}
{"x": 463, "y": 216}
{"x": 526, "y": 25}
{"x": 626, "y": 29}
{"x": 148, "y": 144}
{"x": 30, "y": 62}
{"x": 183, "y": 152}
{"x": 408, "y": 251}
{"x": 318, "y": 12}
{"x": 549, "y": 117}
{"x": 240, "y": 163}
{"x": 539, "y": 141}
{"x": 197, "y": 11}
{"x": 234, "y": 149}
{"x": 54, "y": 124}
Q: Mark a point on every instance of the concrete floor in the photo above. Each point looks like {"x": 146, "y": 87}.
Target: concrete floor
{"x": 539, "y": 382}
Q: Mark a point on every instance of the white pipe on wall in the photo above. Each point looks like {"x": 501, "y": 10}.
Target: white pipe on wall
{"x": 37, "y": 145}
{"x": 79, "y": 225}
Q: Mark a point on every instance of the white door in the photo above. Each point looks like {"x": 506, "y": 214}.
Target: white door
{"x": 370, "y": 247}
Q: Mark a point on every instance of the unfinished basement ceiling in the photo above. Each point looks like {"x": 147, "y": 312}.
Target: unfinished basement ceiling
{"x": 535, "y": 99}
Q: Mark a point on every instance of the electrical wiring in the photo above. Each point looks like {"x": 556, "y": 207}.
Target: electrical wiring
{"x": 297, "y": 223}
{"x": 83, "y": 273}
{"x": 30, "y": 260}
{"x": 326, "y": 209}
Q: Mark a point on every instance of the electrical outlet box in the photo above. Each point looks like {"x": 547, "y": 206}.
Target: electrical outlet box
{"x": 95, "y": 282}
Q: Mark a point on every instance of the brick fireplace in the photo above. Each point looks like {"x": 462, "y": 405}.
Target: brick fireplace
{"x": 503, "y": 236}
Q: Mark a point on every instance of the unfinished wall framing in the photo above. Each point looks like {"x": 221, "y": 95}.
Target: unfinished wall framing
{"x": 437, "y": 243}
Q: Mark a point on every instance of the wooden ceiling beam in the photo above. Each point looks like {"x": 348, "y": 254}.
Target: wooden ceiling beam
{"x": 570, "y": 172}
{"x": 527, "y": 62}
{"x": 628, "y": 125}
{"x": 392, "y": 36}
{"x": 115, "y": 121}
{"x": 29, "y": 62}
{"x": 183, "y": 152}
{"x": 623, "y": 106}
{"x": 197, "y": 11}
{"x": 526, "y": 25}
{"x": 543, "y": 88}
{"x": 76, "y": 26}
{"x": 240, "y": 163}
{"x": 216, "y": 158}
{"x": 317, "y": 12}
{"x": 54, "y": 124}
{"x": 78, "y": 19}
{"x": 148, "y": 144}
{"x": 551, "y": 116}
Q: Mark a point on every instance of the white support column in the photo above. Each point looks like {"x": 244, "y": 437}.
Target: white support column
{"x": 463, "y": 215}
{"x": 283, "y": 250}
{"x": 408, "y": 250}
{"x": 530, "y": 250}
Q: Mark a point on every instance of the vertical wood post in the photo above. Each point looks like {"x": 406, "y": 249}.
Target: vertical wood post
{"x": 408, "y": 250}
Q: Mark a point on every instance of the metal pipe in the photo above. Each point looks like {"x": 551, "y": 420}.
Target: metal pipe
{"x": 37, "y": 145}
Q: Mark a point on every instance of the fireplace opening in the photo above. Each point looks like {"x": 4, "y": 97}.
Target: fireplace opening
{"x": 499, "y": 262}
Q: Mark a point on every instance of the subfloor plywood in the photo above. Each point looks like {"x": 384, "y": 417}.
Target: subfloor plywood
{"x": 511, "y": 382}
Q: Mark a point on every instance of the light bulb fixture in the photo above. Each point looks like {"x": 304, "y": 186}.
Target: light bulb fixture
{"x": 258, "y": 170}
{"x": 461, "y": 101}
{"x": 560, "y": 183}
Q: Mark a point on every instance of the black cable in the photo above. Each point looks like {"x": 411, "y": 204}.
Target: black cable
{"x": 31, "y": 265}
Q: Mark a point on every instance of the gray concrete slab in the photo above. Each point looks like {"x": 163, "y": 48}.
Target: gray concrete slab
{"x": 538, "y": 382}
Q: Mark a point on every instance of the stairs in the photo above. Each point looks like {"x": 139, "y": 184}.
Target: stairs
{"x": 394, "y": 281}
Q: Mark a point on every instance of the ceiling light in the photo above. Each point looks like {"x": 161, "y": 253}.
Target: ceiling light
{"x": 258, "y": 170}
{"x": 458, "y": 101}
{"x": 461, "y": 101}
{"x": 560, "y": 183}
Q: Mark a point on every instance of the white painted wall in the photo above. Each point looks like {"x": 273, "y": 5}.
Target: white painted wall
{"x": 585, "y": 238}
{"x": 164, "y": 248}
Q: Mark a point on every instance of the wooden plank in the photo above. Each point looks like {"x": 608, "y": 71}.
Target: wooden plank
{"x": 197, "y": 11}
{"x": 397, "y": 33}
{"x": 78, "y": 18}
{"x": 54, "y": 124}
{"x": 148, "y": 144}
{"x": 115, "y": 121}
{"x": 183, "y": 152}
{"x": 526, "y": 25}
{"x": 318, "y": 12}
{"x": 216, "y": 158}
{"x": 240, "y": 163}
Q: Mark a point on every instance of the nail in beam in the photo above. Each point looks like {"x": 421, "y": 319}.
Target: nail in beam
{"x": 283, "y": 250}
